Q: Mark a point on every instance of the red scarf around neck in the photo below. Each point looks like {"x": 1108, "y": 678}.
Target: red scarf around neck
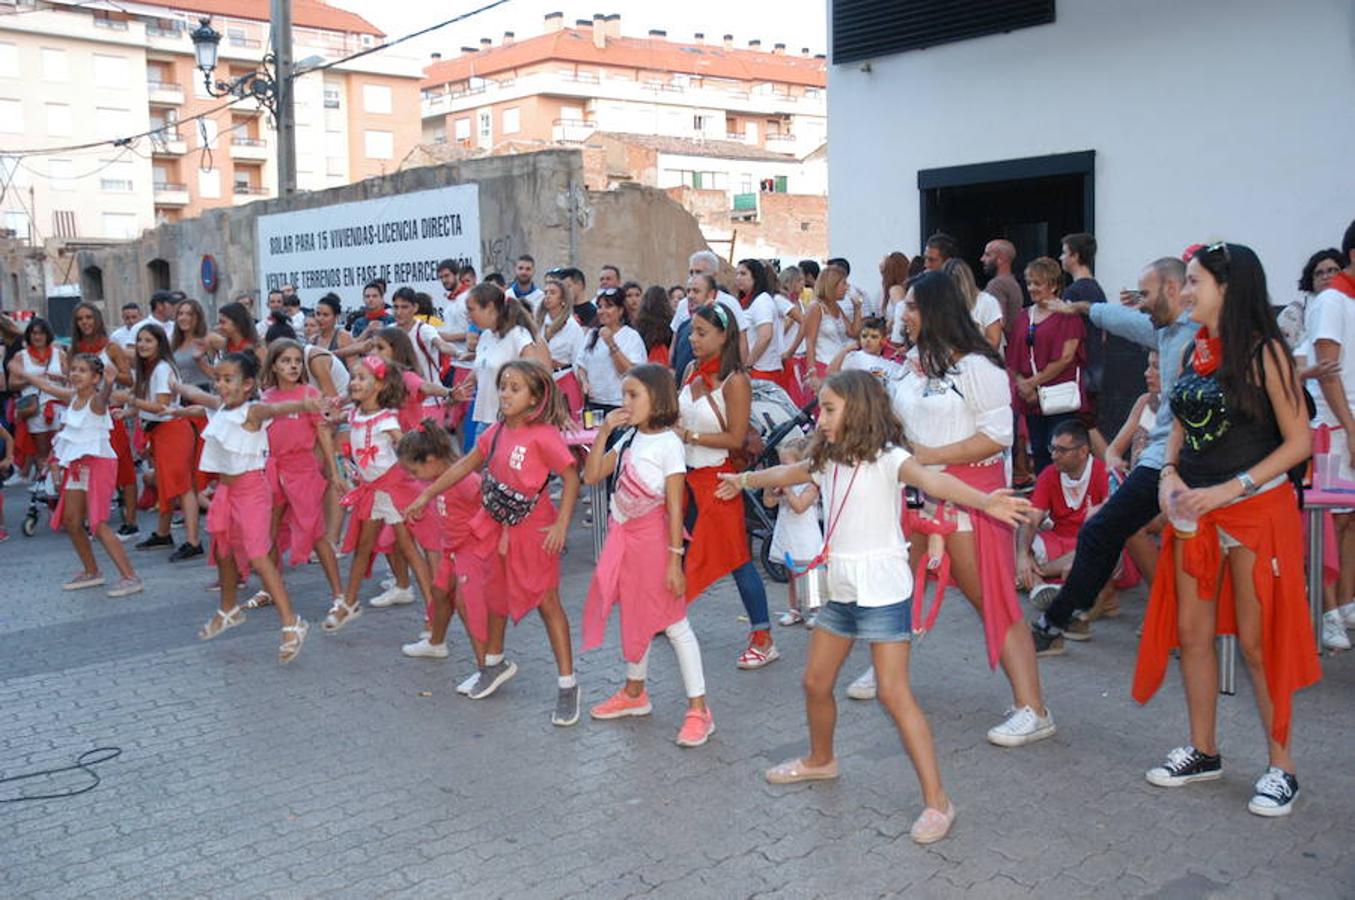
{"x": 1208, "y": 353}
{"x": 40, "y": 356}
{"x": 1344, "y": 283}
{"x": 91, "y": 345}
{"x": 374, "y": 314}
{"x": 708, "y": 371}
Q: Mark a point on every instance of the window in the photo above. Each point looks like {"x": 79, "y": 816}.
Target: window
{"x": 461, "y": 129}
{"x": 376, "y": 98}
{"x": 699, "y": 123}
{"x": 111, "y": 123}
{"x": 336, "y": 167}
{"x": 115, "y": 176}
{"x": 55, "y": 66}
{"x": 333, "y": 96}
{"x": 512, "y": 120}
{"x": 379, "y": 144}
{"x": 242, "y": 185}
{"x": 746, "y": 183}
{"x": 119, "y": 226}
{"x": 61, "y": 174}
{"x": 200, "y": 88}
{"x": 16, "y": 221}
{"x": 484, "y": 127}
{"x": 113, "y": 71}
{"x": 207, "y": 130}
{"x": 866, "y": 28}
{"x": 9, "y": 60}
{"x": 209, "y": 184}
{"x": 59, "y": 120}
{"x": 12, "y": 116}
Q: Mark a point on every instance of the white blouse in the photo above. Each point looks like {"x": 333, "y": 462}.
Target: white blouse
{"x": 697, "y": 415}
{"x": 604, "y": 382}
{"x": 228, "y": 448}
{"x": 83, "y": 434}
{"x": 867, "y": 552}
{"x": 831, "y": 338}
{"x": 975, "y": 396}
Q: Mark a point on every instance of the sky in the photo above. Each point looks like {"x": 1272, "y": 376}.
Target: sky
{"x": 796, "y": 23}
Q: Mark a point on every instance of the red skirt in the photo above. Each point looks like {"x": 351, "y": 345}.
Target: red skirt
{"x": 122, "y": 446}
{"x": 468, "y": 572}
{"x": 299, "y": 483}
{"x": 632, "y": 573}
{"x": 175, "y": 447}
{"x": 521, "y": 572}
{"x": 719, "y": 543}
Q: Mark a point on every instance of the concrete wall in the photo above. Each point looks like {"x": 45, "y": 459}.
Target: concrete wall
{"x": 530, "y": 203}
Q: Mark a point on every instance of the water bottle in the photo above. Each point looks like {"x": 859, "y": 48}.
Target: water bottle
{"x": 1183, "y": 523}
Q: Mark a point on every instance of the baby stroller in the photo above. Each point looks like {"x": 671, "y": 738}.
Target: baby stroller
{"x": 776, "y": 418}
{"x": 42, "y": 497}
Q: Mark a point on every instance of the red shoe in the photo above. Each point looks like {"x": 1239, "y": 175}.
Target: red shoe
{"x": 622, "y": 704}
{"x": 758, "y": 653}
{"x": 148, "y": 499}
{"x": 697, "y": 728}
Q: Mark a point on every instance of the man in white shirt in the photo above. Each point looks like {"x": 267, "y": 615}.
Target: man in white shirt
{"x": 162, "y": 314}
{"x": 704, "y": 262}
{"x": 523, "y": 288}
{"x": 126, "y": 335}
{"x": 428, "y": 344}
{"x": 291, "y": 305}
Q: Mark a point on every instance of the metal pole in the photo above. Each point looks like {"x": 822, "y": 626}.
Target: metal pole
{"x": 286, "y": 114}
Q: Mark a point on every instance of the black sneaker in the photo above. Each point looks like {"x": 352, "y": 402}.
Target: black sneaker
{"x": 1185, "y": 765}
{"x": 155, "y": 542}
{"x": 186, "y": 551}
{"x": 1047, "y": 642}
{"x": 128, "y": 529}
{"x": 1276, "y": 791}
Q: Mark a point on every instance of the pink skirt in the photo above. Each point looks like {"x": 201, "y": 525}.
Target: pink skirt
{"x": 299, "y": 483}
{"x": 238, "y": 519}
{"x": 403, "y": 489}
{"x": 102, "y": 473}
{"x": 568, "y": 385}
{"x": 795, "y": 385}
{"x": 632, "y": 572}
{"x": 995, "y": 549}
{"x": 468, "y": 572}
{"x": 520, "y": 569}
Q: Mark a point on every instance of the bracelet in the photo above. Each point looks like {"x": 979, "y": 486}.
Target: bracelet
{"x": 677, "y": 551}
{"x": 743, "y": 480}
{"x": 1162, "y": 472}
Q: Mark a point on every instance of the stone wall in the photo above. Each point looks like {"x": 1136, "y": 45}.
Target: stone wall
{"x": 533, "y": 203}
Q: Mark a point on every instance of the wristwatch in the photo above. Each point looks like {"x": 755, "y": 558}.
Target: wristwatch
{"x": 1248, "y": 486}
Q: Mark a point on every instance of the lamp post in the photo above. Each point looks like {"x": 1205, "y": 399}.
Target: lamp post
{"x": 271, "y": 87}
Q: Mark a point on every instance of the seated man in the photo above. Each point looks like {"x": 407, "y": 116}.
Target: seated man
{"x": 1067, "y": 493}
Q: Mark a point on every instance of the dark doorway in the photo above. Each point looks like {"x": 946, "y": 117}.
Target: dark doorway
{"x": 1033, "y": 203}
{"x": 158, "y": 270}
{"x": 92, "y": 284}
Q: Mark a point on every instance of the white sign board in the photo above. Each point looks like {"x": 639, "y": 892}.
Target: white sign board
{"x": 400, "y": 238}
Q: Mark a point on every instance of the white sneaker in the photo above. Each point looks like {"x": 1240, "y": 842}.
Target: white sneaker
{"x": 863, "y": 688}
{"x": 1347, "y": 612}
{"x": 422, "y": 649}
{"x": 1022, "y": 726}
{"x": 1334, "y": 631}
{"x": 465, "y": 687}
{"x": 387, "y": 583}
{"x": 425, "y": 634}
{"x": 395, "y": 596}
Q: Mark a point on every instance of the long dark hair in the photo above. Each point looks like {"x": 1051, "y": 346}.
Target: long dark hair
{"x": 181, "y": 336}
{"x": 762, "y": 279}
{"x": 510, "y": 315}
{"x": 100, "y": 330}
{"x": 615, "y": 299}
{"x": 731, "y": 359}
{"x": 1247, "y": 328}
{"x": 947, "y": 327}
{"x": 241, "y": 319}
{"x": 655, "y": 315}
{"x": 144, "y": 367}
{"x": 402, "y": 348}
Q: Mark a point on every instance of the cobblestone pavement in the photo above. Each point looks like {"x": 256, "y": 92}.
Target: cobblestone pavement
{"x": 356, "y": 772}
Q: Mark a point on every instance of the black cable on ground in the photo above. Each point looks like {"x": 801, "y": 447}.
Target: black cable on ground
{"x": 82, "y": 763}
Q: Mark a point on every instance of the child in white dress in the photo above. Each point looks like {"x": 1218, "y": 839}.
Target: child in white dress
{"x": 797, "y": 533}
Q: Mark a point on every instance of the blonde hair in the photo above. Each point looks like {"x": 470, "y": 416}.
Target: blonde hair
{"x": 825, "y": 288}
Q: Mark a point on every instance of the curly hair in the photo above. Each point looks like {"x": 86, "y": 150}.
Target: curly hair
{"x": 869, "y": 423}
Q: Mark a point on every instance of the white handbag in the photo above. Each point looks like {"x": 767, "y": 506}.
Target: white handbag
{"x": 1056, "y": 399}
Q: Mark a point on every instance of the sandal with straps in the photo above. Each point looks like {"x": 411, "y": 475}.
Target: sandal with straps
{"x": 259, "y": 600}
{"x": 332, "y": 621}
{"x": 222, "y": 621}
{"x": 293, "y": 636}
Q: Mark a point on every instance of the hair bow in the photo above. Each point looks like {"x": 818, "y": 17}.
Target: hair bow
{"x": 377, "y": 365}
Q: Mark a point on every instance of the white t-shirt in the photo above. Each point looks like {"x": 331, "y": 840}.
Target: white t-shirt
{"x": 604, "y": 382}
{"x": 763, "y": 311}
{"x": 884, "y": 369}
{"x": 1333, "y": 319}
{"x": 683, "y": 312}
{"x": 868, "y": 555}
{"x": 371, "y": 430}
{"x": 565, "y": 344}
{"x": 456, "y": 320}
{"x": 532, "y": 298}
{"x": 786, "y": 329}
{"x": 151, "y": 320}
{"x": 490, "y": 355}
{"x": 646, "y": 461}
{"x": 973, "y": 397}
{"x": 161, "y": 382}
{"x": 427, "y": 357}
{"x": 124, "y": 336}
{"x": 986, "y": 311}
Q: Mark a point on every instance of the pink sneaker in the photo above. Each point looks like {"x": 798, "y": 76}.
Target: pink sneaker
{"x": 622, "y": 704}
{"x": 696, "y": 728}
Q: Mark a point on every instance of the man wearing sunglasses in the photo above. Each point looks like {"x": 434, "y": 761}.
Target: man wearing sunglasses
{"x": 1166, "y": 328}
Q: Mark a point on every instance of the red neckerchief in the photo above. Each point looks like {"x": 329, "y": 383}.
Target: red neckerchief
{"x": 93, "y": 346}
{"x": 745, "y": 300}
{"x": 1344, "y": 283}
{"x": 374, "y": 314}
{"x": 41, "y": 357}
{"x": 709, "y": 371}
{"x": 243, "y": 345}
{"x": 1208, "y": 353}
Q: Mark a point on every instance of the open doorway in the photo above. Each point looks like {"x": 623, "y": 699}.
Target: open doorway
{"x": 158, "y": 271}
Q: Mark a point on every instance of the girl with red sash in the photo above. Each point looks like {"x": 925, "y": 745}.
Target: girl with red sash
{"x": 713, "y": 413}
{"x": 955, "y": 404}
{"x": 88, "y": 473}
{"x": 640, "y": 569}
{"x": 235, "y": 449}
{"x": 516, "y": 457}
{"x": 384, "y": 488}
{"x": 1232, "y": 553}
{"x": 91, "y": 336}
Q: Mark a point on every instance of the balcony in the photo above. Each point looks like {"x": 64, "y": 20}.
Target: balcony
{"x": 247, "y": 43}
{"x": 168, "y": 143}
{"x": 248, "y": 193}
{"x": 171, "y": 193}
{"x": 248, "y": 149}
{"x": 783, "y": 143}
{"x": 164, "y": 93}
{"x": 575, "y": 130}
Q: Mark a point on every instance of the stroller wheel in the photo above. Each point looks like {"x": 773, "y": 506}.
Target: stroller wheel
{"x": 30, "y": 526}
{"x": 775, "y": 571}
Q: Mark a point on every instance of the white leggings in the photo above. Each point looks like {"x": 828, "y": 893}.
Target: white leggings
{"x": 688, "y": 651}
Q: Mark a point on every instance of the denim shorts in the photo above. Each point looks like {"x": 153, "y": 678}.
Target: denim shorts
{"x": 874, "y": 624}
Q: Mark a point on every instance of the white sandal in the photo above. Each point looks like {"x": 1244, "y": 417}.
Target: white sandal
{"x": 222, "y": 621}
{"x": 259, "y": 600}
{"x": 333, "y": 623}
{"x": 291, "y": 646}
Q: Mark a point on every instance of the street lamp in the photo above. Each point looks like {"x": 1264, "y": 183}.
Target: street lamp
{"x": 262, "y": 86}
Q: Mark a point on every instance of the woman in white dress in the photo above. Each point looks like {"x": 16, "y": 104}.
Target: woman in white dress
{"x": 38, "y": 412}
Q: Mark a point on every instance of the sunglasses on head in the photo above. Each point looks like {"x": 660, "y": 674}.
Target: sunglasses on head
{"x": 1219, "y": 247}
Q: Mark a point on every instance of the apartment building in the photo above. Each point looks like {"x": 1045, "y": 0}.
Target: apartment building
{"x": 71, "y": 74}
{"x": 568, "y": 84}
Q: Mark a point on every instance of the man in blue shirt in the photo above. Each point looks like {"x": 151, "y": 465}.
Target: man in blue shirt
{"x": 1166, "y": 328}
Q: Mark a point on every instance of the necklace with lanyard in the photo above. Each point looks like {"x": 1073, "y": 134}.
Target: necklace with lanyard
{"x": 821, "y": 561}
